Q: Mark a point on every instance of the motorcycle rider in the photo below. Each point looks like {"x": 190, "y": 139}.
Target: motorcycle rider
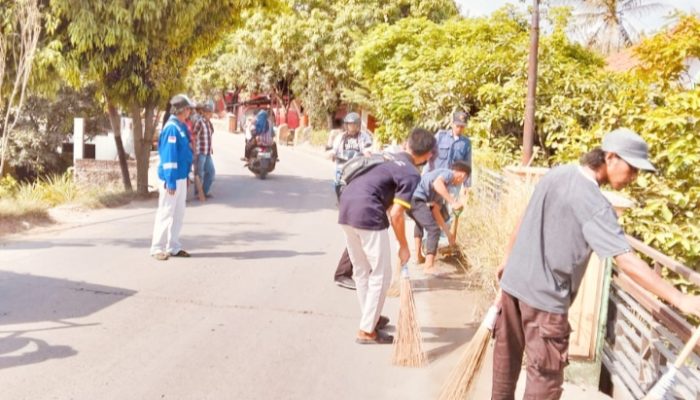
{"x": 352, "y": 142}
{"x": 262, "y": 135}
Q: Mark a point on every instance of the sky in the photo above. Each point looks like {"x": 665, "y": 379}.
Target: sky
{"x": 650, "y": 23}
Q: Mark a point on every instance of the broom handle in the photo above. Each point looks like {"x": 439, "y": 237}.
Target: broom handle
{"x": 688, "y": 348}
{"x": 453, "y": 228}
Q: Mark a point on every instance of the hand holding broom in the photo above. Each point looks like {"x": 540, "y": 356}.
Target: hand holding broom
{"x": 664, "y": 384}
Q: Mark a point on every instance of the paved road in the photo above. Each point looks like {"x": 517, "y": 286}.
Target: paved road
{"x": 86, "y": 314}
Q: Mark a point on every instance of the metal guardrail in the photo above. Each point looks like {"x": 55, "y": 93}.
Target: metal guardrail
{"x": 644, "y": 335}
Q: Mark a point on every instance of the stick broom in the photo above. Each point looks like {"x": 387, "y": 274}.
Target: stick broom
{"x": 408, "y": 344}
{"x": 461, "y": 381}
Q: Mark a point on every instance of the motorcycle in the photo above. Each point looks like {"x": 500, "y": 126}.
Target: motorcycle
{"x": 261, "y": 161}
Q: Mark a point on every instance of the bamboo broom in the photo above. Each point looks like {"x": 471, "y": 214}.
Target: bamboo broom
{"x": 408, "y": 344}
{"x": 461, "y": 381}
{"x": 665, "y": 383}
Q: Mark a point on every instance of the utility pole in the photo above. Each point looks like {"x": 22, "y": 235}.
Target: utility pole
{"x": 529, "y": 126}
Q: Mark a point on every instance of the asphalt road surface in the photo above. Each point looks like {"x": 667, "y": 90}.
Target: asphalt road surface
{"x": 85, "y": 313}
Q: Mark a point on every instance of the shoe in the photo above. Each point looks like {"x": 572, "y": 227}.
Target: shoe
{"x": 383, "y": 321}
{"x": 244, "y": 159}
{"x": 345, "y": 282}
{"x": 181, "y": 253}
{"x": 160, "y": 256}
{"x": 380, "y": 338}
{"x": 208, "y": 196}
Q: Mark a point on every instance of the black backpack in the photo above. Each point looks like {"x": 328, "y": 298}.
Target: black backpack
{"x": 358, "y": 166}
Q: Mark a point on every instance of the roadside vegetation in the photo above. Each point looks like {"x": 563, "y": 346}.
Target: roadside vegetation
{"x": 26, "y": 204}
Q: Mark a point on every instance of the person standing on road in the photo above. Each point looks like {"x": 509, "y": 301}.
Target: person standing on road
{"x": 433, "y": 189}
{"x": 351, "y": 142}
{"x": 203, "y": 132}
{"x": 566, "y": 219}
{"x": 175, "y": 154}
{"x": 363, "y": 218}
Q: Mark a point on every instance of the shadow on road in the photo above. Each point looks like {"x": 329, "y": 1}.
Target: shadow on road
{"x": 256, "y": 254}
{"x": 283, "y": 193}
{"x": 195, "y": 242}
{"x": 48, "y": 302}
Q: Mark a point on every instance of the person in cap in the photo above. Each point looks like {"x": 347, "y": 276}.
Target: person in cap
{"x": 566, "y": 219}
{"x": 175, "y": 152}
{"x": 352, "y": 142}
{"x": 366, "y": 205}
{"x": 203, "y": 132}
{"x": 452, "y": 145}
{"x": 426, "y": 203}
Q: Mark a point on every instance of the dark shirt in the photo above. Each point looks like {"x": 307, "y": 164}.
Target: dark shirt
{"x": 365, "y": 200}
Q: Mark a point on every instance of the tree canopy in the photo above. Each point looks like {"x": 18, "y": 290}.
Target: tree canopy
{"x": 305, "y": 48}
{"x": 139, "y": 52}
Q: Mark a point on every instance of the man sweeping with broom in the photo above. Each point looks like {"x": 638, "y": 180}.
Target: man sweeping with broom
{"x": 363, "y": 217}
{"x": 566, "y": 218}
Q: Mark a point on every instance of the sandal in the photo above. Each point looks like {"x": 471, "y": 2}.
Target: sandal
{"x": 160, "y": 256}
{"x": 380, "y": 338}
{"x": 383, "y": 321}
{"x": 181, "y": 253}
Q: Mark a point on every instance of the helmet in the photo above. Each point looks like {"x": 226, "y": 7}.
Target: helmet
{"x": 352, "y": 118}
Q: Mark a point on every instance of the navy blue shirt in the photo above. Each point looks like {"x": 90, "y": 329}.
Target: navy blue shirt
{"x": 367, "y": 198}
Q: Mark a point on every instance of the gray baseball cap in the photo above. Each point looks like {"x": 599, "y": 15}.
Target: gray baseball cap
{"x": 630, "y": 147}
{"x": 181, "y": 101}
{"x": 460, "y": 118}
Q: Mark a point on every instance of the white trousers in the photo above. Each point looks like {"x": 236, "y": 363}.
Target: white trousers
{"x": 169, "y": 217}
{"x": 370, "y": 253}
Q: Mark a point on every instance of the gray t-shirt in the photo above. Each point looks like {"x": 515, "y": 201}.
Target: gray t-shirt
{"x": 566, "y": 218}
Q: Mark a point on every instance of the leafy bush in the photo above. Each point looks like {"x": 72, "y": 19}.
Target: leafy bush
{"x": 8, "y": 187}
{"x": 418, "y": 71}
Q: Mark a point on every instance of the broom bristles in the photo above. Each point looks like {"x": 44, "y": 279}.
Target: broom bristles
{"x": 461, "y": 380}
{"x": 408, "y": 344}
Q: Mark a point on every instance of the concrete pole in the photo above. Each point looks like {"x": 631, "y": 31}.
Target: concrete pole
{"x": 78, "y": 139}
{"x": 530, "y": 103}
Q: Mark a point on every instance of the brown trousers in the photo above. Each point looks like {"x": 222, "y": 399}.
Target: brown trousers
{"x": 543, "y": 336}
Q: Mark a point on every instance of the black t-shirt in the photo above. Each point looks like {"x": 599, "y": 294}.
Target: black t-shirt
{"x": 366, "y": 199}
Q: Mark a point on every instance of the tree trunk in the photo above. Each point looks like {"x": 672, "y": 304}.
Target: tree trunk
{"x": 143, "y": 138}
{"x": 530, "y": 103}
{"x": 329, "y": 119}
{"x": 115, "y": 121}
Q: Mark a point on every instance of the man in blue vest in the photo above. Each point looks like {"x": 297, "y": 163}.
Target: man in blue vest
{"x": 175, "y": 152}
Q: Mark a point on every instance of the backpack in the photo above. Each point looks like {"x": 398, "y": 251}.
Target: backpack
{"x": 358, "y": 166}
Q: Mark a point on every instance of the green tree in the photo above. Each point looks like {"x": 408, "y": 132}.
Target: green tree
{"x": 139, "y": 53}
{"x": 305, "y": 48}
{"x": 608, "y": 25}
{"x": 20, "y": 27}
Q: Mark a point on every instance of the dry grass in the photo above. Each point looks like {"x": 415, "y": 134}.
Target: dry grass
{"x": 486, "y": 227}
{"x": 24, "y": 205}
{"x": 16, "y": 216}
